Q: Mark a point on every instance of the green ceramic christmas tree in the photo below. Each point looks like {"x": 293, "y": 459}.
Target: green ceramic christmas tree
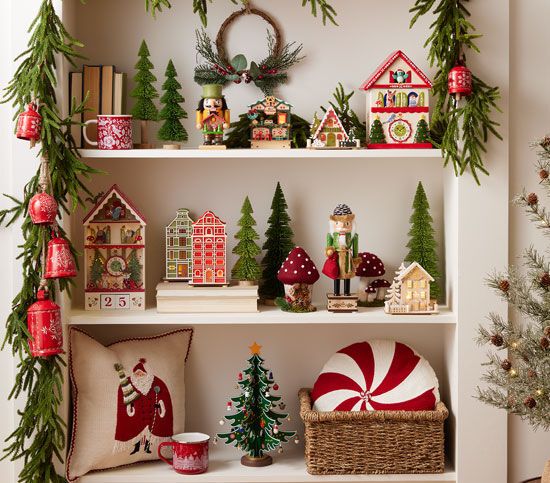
{"x": 247, "y": 268}
{"x": 172, "y": 130}
{"x": 144, "y": 92}
{"x": 377, "y": 135}
{"x": 255, "y": 427}
{"x": 422, "y": 131}
{"x": 278, "y": 244}
{"x": 422, "y": 245}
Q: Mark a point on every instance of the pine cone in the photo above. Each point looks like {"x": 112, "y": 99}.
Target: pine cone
{"x": 547, "y": 331}
{"x": 544, "y": 342}
{"x": 504, "y": 285}
{"x": 532, "y": 199}
{"x": 543, "y": 174}
{"x": 545, "y": 142}
{"x": 545, "y": 280}
{"x": 531, "y": 374}
{"x": 530, "y": 402}
{"x": 497, "y": 340}
{"x": 506, "y": 365}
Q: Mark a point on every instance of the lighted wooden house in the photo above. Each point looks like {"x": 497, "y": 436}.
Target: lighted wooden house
{"x": 179, "y": 259}
{"x": 114, "y": 254}
{"x": 209, "y": 251}
{"x": 270, "y": 124}
{"x": 329, "y": 132}
{"x": 398, "y": 104}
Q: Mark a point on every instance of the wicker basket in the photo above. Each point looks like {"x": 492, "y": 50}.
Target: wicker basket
{"x": 395, "y": 442}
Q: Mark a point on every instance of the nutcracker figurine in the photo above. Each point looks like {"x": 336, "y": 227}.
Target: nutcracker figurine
{"x": 213, "y": 116}
{"x": 342, "y": 258}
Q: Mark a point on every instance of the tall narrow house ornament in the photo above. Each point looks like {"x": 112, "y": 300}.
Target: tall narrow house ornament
{"x": 398, "y": 107}
{"x": 114, "y": 254}
{"x": 179, "y": 257}
{"x": 209, "y": 251}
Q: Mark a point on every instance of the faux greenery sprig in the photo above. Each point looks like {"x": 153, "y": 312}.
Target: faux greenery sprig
{"x": 40, "y": 435}
{"x": 460, "y": 130}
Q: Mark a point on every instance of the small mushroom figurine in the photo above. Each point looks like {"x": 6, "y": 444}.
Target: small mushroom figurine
{"x": 370, "y": 293}
{"x": 370, "y": 266}
{"x": 380, "y": 285}
{"x": 298, "y": 274}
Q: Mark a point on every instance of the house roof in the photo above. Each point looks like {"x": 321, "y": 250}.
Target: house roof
{"x": 383, "y": 67}
{"x": 217, "y": 220}
{"x": 330, "y": 112}
{"x": 410, "y": 268}
{"x": 279, "y": 101}
{"x": 123, "y": 197}
{"x": 180, "y": 211}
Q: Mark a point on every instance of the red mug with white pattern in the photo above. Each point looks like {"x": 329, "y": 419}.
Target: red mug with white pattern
{"x": 113, "y": 131}
{"x": 190, "y": 453}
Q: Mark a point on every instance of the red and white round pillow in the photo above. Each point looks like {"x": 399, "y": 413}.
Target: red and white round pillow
{"x": 376, "y": 375}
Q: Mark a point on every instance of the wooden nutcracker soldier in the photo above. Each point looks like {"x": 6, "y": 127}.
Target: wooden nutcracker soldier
{"x": 212, "y": 116}
{"x": 342, "y": 258}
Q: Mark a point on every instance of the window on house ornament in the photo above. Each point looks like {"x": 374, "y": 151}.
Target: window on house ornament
{"x": 409, "y": 295}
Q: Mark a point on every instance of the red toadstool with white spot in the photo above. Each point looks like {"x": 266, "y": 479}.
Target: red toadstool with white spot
{"x": 370, "y": 266}
{"x": 298, "y": 274}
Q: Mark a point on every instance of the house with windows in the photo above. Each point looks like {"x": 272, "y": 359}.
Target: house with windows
{"x": 179, "y": 259}
{"x": 329, "y": 131}
{"x": 270, "y": 123}
{"x": 209, "y": 242}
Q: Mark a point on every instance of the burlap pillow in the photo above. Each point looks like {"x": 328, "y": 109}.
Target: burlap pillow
{"x": 127, "y": 398}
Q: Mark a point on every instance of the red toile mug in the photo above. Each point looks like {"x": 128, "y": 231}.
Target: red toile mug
{"x": 113, "y": 131}
{"x": 190, "y": 453}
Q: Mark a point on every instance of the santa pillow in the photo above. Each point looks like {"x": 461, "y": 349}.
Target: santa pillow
{"x": 127, "y": 398}
{"x": 376, "y": 375}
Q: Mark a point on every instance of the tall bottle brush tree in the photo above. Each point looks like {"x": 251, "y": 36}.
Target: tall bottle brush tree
{"x": 172, "y": 112}
{"x": 422, "y": 245}
{"x": 278, "y": 244}
{"x": 247, "y": 267}
{"x": 518, "y": 365}
{"x": 144, "y": 92}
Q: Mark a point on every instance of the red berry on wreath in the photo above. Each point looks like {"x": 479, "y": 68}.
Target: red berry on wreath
{"x": 260, "y": 77}
{"x": 238, "y": 81}
{"x": 264, "y": 67}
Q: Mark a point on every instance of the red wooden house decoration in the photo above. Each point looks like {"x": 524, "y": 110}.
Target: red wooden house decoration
{"x": 209, "y": 251}
{"x": 330, "y": 132}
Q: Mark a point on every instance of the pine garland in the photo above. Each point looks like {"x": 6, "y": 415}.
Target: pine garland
{"x": 40, "y": 435}
{"x": 461, "y": 131}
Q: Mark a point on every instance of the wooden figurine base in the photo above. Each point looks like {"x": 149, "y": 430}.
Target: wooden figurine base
{"x": 171, "y": 146}
{"x": 213, "y": 147}
{"x": 257, "y": 144}
{"x": 265, "y": 460}
{"x": 341, "y": 303}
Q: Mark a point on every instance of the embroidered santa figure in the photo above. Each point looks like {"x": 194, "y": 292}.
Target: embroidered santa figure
{"x": 144, "y": 410}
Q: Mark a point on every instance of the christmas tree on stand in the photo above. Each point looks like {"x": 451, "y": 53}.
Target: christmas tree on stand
{"x": 422, "y": 245}
{"x": 422, "y": 131}
{"x": 518, "y": 377}
{"x": 376, "y": 134}
{"x": 255, "y": 427}
{"x": 144, "y": 92}
{"x": 247, "y": 269}
{"x": 172, "y": 129}
{"x": 278, "y": 244}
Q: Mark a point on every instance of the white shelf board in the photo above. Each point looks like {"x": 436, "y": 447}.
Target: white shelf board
{"x": 284, "y": 470}
{"x": 261, "y": 153}
{"x": 267, "y": 315}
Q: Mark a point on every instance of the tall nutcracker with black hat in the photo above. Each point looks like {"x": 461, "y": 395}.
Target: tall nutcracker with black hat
{"x": 212, "y": 116}
{"x": 342, "y": 252}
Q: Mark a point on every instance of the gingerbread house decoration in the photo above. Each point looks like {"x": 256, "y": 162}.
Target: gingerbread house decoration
{"x": 398, "y": 97}
{"x": 329, "y": 132}
{"x": 410, "y": 292}
{"x": 209, "y": 241}
{"x": 114, "y": 254}
{"x": 269, "y": 123}
{"x": 179, "y": 259}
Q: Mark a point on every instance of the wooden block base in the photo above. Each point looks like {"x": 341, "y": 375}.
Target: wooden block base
{"x": 341, "y": 303}
{"x": 256, "y": 462}
{"x": 257, "y": 144}
{"x": 213, "y": 147}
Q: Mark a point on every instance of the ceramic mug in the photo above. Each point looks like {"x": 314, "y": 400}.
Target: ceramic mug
{"x": 113, "y": 131}
{"x": 190, "y": 453}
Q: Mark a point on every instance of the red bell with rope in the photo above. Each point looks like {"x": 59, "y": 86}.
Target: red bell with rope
{"x": 42, "y": 209}
{"x": 44, "y": 324}
{"x": 29, "y": 124}
{"x": 59, "y": 260}
{"x": 460, "y": 80}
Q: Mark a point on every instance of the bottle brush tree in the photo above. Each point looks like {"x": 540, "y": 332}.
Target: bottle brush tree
{"x": 422, "y": 245}
{"x": 377, "y": 135}
{"x": 172, "y": 112}
{"x": 96, "y": 270}
{"x": 134, "y": 268}
{"x": 247, "y": 267}
{"x": 278, "y": 244}
{"x": 144, "y": 92}
{"x": 422, "y": 131}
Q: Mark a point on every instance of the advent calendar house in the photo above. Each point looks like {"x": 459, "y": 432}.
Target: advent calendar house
{"x": 179, "y": 260}
{"x": 114, "y": 254}
{"x": 398, "y": 104}
{"x": 209, "y": 251}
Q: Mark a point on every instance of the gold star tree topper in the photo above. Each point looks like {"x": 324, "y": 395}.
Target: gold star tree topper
{"x": 255, "y": 348}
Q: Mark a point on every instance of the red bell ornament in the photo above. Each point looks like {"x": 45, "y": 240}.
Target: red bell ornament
{"x": 44, "y": 323}
{"x": 29, "y": 124}
{"x": 460, "y": 80}
{"x": 42, "y": 209}
{"x": 59, "y": 260}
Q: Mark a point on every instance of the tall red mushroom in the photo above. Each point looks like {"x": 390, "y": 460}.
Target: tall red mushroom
{"x": 370, "y": 266}
{"x": 298, "y": 274}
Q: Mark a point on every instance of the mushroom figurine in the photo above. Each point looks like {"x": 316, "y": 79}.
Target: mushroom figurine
{"x": 370, "y": 293}
{"x": 370, "y": 266}
{"x": 298, "y": 274}
{"x": 380, "y": 285}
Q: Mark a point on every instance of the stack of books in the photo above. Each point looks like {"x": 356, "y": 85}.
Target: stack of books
{"x": 106, "y": 91}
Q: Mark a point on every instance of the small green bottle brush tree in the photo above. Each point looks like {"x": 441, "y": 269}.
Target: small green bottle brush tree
{"x": 172, "y": 130}
{"x": 255, "y": 427}
{"x": 377, "y": 135}
{"x": 247, "y": 268}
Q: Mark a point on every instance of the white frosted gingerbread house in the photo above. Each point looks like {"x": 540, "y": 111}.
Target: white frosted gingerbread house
{"x": 398, "y": 95}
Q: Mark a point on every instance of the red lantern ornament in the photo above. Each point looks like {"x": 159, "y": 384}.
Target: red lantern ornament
{"x": 44, "y": 324}
{"x": 59, "y": 260}
{"x": 29, "y": 124}
{"x": 460, "y": 80}
{"x": 42, "y": 209}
